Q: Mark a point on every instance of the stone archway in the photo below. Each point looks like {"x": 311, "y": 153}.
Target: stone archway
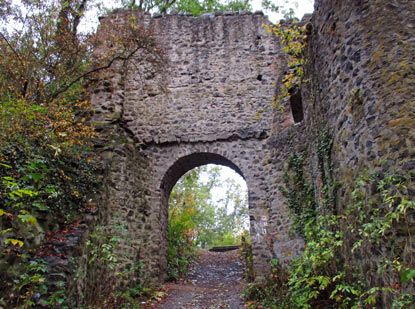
{"x": 212, "y": 105}
{"x": 173, "y": 174}
{"x": 169, "y": 163}
{"x": 189, "y": 162}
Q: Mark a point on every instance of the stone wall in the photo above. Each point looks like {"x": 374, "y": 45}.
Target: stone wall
{"x": 364, "y": 69}
{"x": 362, "y": 91}
{"x": 211, "y": 103}
{"x": 217, "y": 82}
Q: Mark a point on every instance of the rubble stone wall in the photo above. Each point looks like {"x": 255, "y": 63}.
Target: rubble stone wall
{"x": 211, "y": 103}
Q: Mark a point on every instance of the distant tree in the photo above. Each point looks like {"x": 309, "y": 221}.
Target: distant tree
{"x": 210, "y": 219}
{"x": 196, "y": 7}
{"x": 285, "y": 7}
{"x": 196, "y": 219}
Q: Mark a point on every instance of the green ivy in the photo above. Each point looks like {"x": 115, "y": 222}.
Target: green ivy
{"x": 381, "y": 212}
{"x": 329, "y": 186}
{"x": 299, "y": 192}
{"x": 41, "y": 191}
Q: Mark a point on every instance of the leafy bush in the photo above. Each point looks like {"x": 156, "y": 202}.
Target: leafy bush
{"x": 382, "y": 208}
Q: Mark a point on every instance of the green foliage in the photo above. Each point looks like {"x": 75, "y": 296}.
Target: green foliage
{"x": 29, "y": 287}
{"x": 104, "y": 242}
{"x": 196, "y": 7}
{"x": 104, "y": 246}
{"x": 317, "y": 278}
{"x": 381, "y": 211}
{"x": 35, "y": 184}
{"x": 48, "y": 171}
{"x": 299, "y": 192}
{"x": 182, "y": 227}
{"x": 294, "y": 41}
{"x": 328, "y": 186}
{"x": 195, "y": 220}
{"x": 246, "y": 253}
{"x": 380, "y": 220}
{"x": 284, "y": 7}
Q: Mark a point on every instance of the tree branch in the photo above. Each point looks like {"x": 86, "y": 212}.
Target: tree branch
{"x": 11, "y": 47}
{"x": 107, "y": 66}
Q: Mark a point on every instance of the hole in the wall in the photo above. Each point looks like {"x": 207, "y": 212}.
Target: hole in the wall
{"x": 296, "y": 104}
{"x": 259, "y": 77}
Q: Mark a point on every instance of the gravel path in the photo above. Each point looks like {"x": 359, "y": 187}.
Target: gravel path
{"x": 214, "y": 281}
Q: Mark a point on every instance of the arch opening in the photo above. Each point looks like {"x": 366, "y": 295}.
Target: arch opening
{"x": 189, "y": 162}
{"x": 218, "y": 217}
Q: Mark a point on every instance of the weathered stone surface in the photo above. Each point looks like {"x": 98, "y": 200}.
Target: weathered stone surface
{"x": 364, "y": 75}
{"x": 212, "y": 104}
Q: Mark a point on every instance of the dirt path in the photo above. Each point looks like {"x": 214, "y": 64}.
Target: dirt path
{"x": 215, "y": 281}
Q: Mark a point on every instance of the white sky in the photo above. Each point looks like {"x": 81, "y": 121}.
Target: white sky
{"x": 226, "y": 173}
{"x": 304, "y": 7}
{"x": 91, "y": 19}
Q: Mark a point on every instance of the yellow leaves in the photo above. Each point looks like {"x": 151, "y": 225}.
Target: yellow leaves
{"x": 75, "y": 192}
{"x": 3, "y": 213}
{"x": 251, "y": 304}
{"x": 293, "y": 44}
{"x": 6, "y": 231}
{"x": 66, "y": 177}
{"x": 27, "y": 218}
{"x": 14, "y": 242}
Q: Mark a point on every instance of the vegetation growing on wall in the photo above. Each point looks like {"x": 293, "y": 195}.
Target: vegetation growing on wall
{"x": 301, "y": 196}
{"x": 359, "y": 256}
{"x": 374, "y": 233}
{"x": 48, "y": 170}
{"x": 294, "y": 40}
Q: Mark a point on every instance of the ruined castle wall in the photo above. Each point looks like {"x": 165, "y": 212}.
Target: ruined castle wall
{"x": 364, "y": 69}
{"x": 211, "y": 102}
{"x": 217, "y": 81}
{"x": 363, "y": 74}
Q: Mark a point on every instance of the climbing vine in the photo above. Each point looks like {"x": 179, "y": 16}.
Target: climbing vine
{"x": 328, "y": 186}
{"x": 299, "y": 192}
{"x": 302, "y": 198}
{"x": 377, "y": 240}
{"x": 294, "y": 42}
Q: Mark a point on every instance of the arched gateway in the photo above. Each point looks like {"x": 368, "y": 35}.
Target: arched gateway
{"x": 212, "y": 103}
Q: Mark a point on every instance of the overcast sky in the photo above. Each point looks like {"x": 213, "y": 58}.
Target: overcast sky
{"x": 304, "y": 7}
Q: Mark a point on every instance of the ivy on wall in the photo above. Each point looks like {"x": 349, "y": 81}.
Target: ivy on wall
{"x": 345, "y": 253}
{"x": 294, "y": 41}
{"x": 359, "y": 256}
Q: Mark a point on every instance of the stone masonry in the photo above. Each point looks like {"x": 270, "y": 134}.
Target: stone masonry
{"x": 211, "y": 103}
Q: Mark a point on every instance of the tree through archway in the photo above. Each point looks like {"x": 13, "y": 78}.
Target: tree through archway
{"x": 208, "y": 207}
